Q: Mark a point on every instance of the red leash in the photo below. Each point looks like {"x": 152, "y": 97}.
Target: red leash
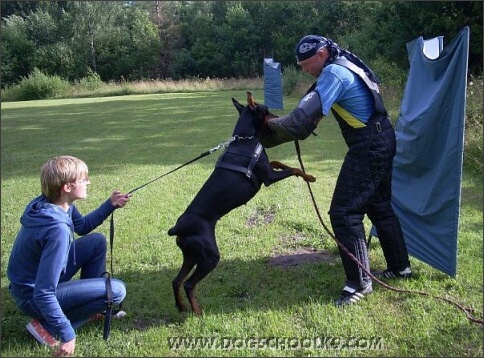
{"x": 468, "y": 311}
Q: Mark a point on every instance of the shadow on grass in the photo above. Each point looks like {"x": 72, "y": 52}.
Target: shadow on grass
{"x": 234, "y": 286}
{"x": 165, "y": 129}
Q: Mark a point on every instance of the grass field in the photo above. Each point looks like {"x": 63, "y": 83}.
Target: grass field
{"x": 255, "y": 293}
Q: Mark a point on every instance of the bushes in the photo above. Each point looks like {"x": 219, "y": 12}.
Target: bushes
{"x": 388, "y": 72}
{"x": 290, "y": 80}
{"x": 473, "y": 158}
{"x": 91, "y": 82}
{"x": 295, "y": 81}
{"x": 37, "y": 86}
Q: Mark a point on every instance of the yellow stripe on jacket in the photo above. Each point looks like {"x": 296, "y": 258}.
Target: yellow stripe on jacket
{"x": 348, "y": 117}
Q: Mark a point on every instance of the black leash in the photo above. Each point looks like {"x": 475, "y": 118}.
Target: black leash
{"x": 109, "y": 309}
{"x": 204, "y": 154}
{"x": 109, "y": 291}
{"x": 468, "y": 311}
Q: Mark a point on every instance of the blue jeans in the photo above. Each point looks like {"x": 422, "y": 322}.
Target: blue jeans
{"x": 81, "y": 299}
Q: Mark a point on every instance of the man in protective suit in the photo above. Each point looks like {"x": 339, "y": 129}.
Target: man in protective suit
{"x": 349, "y": 88}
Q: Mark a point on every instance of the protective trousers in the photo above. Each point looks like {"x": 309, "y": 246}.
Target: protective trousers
{"x": 364, "y": 187}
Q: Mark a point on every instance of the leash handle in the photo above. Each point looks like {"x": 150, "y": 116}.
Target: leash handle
{"x": 109, "y": 310}
{"x": 109, "y": 289}
{"x": 111, "y": 239}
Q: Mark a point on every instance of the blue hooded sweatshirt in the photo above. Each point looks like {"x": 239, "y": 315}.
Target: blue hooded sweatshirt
{"x": 40, "y": 253}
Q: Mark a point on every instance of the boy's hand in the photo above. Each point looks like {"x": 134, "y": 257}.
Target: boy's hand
{"x": 66, "y": 349}
{"x": 119, "y": 199}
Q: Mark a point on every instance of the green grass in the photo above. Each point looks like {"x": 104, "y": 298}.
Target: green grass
{"x": 127, "y": 141}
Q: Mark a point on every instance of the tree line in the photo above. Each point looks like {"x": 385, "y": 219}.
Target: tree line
{"x": 142, "y": 40}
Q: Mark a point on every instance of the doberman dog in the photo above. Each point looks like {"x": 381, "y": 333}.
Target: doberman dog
{"x": 237, "y": 177}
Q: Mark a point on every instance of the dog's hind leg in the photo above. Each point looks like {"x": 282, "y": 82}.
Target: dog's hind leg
{"x": 202, "y": 270}
{"x": 189, "y": 262}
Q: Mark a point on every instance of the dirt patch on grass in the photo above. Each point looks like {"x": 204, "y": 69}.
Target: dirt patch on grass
{"x": 144, "y": 324}
{"x": 298, "y": 257}
{"x": 261, "y": 216}
{"x": 293, "y": 252}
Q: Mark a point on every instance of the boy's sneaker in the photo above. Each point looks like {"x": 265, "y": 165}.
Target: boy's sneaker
{"x": 96, "y": 317}
{"x": 41, "y": 334}
{"x": 100, "y": 316}
{"x": 119, "y": 314}
{"x": 350, "y": 295}
{"x": 404, "y": 274}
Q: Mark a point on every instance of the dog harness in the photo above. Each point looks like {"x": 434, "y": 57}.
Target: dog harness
{"x": 248, "y": 169}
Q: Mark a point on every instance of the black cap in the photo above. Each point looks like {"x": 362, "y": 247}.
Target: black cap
{"x": 308, "y": 46}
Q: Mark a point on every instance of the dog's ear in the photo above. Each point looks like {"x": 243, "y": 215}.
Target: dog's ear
{"x": 237, "y": 105}
{"x": 251, "y": 100}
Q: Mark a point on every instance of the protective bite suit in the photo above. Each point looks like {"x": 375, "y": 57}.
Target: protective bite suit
{"x": 364, "y": 182}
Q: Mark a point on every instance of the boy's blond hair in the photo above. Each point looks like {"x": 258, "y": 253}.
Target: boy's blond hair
{"x": 59, "y": 171}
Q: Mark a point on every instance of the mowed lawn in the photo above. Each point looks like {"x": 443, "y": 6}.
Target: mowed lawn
{"x": 272, "y": 293}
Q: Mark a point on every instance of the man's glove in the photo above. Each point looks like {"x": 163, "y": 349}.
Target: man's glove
{"x": 299, "y": 124}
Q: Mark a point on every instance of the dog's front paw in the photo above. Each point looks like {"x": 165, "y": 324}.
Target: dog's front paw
{"x": 306, "y": 177}
{"x": 309, "y": 178}
{"x": 277, "y": 165}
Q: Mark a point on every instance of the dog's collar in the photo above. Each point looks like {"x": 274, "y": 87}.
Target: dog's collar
{"x": 237, "y": 137}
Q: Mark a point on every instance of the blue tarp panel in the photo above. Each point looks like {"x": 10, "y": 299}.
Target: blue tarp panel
{"x": 272, "y": 84}
{"x": 430, "y": 144}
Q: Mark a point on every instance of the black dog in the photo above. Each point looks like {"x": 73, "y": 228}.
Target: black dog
{"x": 238, "y": 176}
